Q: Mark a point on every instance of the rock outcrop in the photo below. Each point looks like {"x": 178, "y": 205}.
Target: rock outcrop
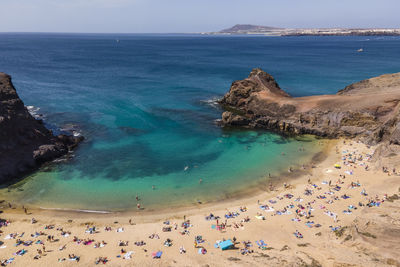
{"x": 368, "y": 110}
{"x": 25, "y": 143}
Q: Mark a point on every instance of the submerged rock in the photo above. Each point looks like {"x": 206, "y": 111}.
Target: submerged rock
{"x": 25, "y": 143}
{"x": 369, "y": 109}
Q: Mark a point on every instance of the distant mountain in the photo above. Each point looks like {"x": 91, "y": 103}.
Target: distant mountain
{"x": 248, "y": 28}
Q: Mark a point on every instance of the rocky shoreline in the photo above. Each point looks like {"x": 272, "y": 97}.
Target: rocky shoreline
{"x": 25, "y": 143}
{"x": 369, "y": 110}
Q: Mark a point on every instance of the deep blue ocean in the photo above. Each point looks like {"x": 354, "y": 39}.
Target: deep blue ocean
{"x": 146, "y": 105}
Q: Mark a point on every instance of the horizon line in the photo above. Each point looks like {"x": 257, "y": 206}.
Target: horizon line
{"x": 201, "y": 32}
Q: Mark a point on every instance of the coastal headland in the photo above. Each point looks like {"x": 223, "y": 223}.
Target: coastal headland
{"x": 368, "y": 110}
{"x": 25, "y": 143}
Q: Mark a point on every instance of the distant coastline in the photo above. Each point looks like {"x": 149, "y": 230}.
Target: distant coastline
{"x": 248, "y": 29}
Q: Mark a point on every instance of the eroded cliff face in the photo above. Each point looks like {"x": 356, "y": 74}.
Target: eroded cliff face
{"x": 369, "y": 109}
{"x": 25, "y": 143}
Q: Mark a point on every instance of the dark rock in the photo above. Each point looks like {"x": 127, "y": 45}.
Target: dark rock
{"x": 25, "y": 143}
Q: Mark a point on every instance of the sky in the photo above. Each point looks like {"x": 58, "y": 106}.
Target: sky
{"x": 188, "y": 16}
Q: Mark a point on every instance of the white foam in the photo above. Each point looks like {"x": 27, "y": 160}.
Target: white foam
{"x": 78, "y": 210}
{"x": 213, "y": 102}
{"x": 34, "y": 112}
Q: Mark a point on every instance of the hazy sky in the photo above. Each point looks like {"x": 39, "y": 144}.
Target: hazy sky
{"x": 160, "y": 16}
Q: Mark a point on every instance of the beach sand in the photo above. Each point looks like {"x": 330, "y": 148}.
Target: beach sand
{"x": 365, "y": 236}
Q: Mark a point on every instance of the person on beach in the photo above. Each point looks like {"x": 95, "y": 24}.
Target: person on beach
{"x": 271, "y": 187}
{"x": 138, "y": 206}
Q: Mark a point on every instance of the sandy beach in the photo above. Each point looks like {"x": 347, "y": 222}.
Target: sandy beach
{"x": 343, "y": 212}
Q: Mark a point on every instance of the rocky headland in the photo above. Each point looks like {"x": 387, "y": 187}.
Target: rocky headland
{"x": 25, "y": 143}
{"x": 368, "y": 110}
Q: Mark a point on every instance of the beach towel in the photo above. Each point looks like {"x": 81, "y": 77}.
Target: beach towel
{"x": 20, "y": 252}
{"x": 310, "y": 224}
{"x": 156, "y": 255}
{"x": 288, "y": 212}
{"x": 202, "y": 251}
{"x": 224, "y": 245}
{"x": 128, "y": 255}
{"x": 261, "y": 244}
{"x": 298, "y": 235}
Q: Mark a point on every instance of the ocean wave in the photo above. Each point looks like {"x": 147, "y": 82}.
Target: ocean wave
{"x": 78, "y": 210}
{"x": 69, "y": 129}
{"x": 213, "y": 102}
{"x": 34, "y": 111}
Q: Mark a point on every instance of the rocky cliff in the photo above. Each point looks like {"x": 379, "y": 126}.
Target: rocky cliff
{"x": 369, "y": 109}
{"x": 25, "y": 143}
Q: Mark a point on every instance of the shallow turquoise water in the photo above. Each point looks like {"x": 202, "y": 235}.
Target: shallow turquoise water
{"x": 244, "y": 160}
{"x": 145, "y": 106}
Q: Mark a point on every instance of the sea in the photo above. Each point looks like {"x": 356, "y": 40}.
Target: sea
{"x": 147, "y": 107}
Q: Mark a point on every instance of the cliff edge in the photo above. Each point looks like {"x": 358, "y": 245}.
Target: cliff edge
{"x": 368, "y": 110}
{"x": 25, "y": 143}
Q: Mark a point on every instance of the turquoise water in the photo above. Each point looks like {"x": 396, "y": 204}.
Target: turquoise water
{"x": 145, "y": 105}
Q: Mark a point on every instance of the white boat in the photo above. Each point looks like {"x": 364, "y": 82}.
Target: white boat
{"x": 360, "y": 50}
